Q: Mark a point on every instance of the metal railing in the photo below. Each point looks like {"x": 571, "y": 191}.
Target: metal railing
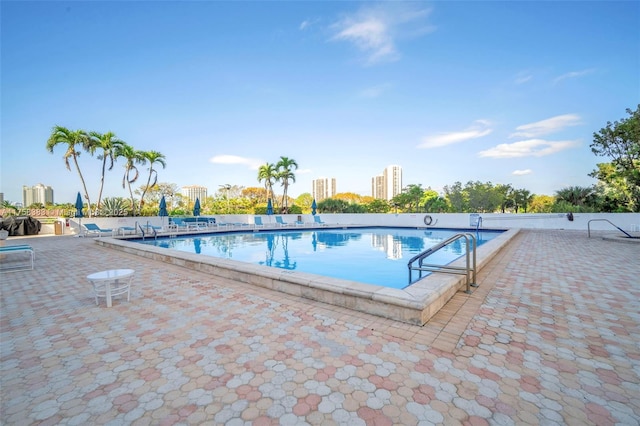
{"x": 608, "y": 221}
{"x": 148, "y": 226}
{"x": 469, "y": 271}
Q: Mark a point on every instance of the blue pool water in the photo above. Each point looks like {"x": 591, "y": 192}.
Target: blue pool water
{"x": 369, "y": 255}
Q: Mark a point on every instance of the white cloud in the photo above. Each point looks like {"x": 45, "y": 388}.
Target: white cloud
{"x": 478, "y": 130}
{"x": 374, "y": 91}
{"x": 304, "y": 25}
{"x": 375, "y": 30}
{"x": 523, "y": 77}
{"x": 528, "y": 148}
{"x": 573, "y": 74}
{"x": 544, "y": 127}
{"x": 303, "y": 171}
{"x": 252, "y": 163}
{"x": 522, "y": 172}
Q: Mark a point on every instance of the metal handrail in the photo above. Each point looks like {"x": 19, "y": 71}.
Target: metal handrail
{"x": 141, "y": 229}
{"x": 606, "y": 220}
{"x": 469, "y": 271}
{"x": 155, "y": 233}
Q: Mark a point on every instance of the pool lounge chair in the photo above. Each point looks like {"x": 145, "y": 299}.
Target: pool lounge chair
{"x": 317, "y": 221}
{"x": 127, "y": 230}
{"x": 176, "y": 224}
{"x": 22, "y": 248}
{"x": 257, "y": 222}
{"x": 281, "y": 222}
{"x": 93, "y": 229}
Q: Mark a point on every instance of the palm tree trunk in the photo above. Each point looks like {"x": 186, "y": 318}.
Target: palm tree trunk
{"x": 133, "y": 201}
{"x": 104, "y": 166}
{"x": 84, "y": 185}
{"x": 285, "y": 204}
{"x": 146, "y": 188}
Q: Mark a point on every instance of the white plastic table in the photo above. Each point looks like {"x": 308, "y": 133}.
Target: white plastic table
{"x": 112, "y": 282}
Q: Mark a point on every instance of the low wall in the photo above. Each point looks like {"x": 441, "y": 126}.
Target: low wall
{"x": 629, "y": 222}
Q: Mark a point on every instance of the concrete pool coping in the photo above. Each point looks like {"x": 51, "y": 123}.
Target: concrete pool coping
{"x": 415, "y": 304}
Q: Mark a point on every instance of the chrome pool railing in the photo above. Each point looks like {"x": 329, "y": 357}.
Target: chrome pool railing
{"x": 470, "y": 256}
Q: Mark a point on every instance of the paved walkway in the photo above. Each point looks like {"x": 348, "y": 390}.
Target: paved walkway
{"x": 551, "y": 336}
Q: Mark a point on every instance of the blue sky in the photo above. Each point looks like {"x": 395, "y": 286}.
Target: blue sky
{"x": 506, "y": 92}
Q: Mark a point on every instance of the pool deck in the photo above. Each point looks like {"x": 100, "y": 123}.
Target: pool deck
{"x": 551, "y": 336}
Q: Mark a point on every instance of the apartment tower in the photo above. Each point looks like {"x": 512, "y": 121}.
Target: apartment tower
{"x": 37, "y": 194}
{"x": 388, "y": 184}
{"x": 194, "y": 191}
{"x": 323, "y": 188}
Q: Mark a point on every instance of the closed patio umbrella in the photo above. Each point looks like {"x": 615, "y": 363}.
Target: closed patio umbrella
{"x": 269, "y": 207}
{"x": 162, "y": 210}
{"x": 314, "y": 206}
{"x": 196, "y": 207}
{"x": 79, "y": 207}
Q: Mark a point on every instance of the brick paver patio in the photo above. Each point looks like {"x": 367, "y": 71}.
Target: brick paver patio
{"x": 551, "y": 336}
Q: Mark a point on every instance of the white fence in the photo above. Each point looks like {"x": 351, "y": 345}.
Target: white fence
{"x": 629, "y": 222}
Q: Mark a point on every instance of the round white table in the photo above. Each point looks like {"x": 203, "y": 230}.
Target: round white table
{"x": 112, "y": 282}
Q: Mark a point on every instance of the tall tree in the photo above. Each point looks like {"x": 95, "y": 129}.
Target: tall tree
{"x": 269, "y": 174}
{"x": 108, "y": 143}
{"x": 152, "y": 157}
{"x": 285, "y": 167}
{"x": 456, "y": 197}
{"x": 613, "y": 190}
{"x": 72, "y": 139}
{"x": 131, "y": 172}
{"x": 620, "y": 141}
{"x": 522, "y": 198}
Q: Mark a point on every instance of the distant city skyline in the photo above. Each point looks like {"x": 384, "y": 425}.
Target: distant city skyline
{"x": 500, "y": 92}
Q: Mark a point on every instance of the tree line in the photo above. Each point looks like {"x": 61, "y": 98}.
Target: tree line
{"x": 617, "y": 189}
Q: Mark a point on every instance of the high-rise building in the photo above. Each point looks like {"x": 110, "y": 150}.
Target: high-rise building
{"x": 37, "y": 194}
{"x": 323, "y": 188}
{"x": 194, "y": 191}
{"x": 387, "y": 243}
{"x": 388, "y": 184}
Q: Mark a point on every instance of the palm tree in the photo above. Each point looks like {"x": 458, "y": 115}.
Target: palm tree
{"x": 285, "y": 174}
{"x": 71, "y": 138}
{"x": 269, "y": 174}
{"x": 152, "y": 157}
{"x": 133, "y": 157}
{"x": 109, "y": 143}
{"x": 575, "y": 195}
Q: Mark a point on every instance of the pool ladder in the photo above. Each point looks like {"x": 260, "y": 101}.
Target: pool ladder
{"x": 155, "y": 234}
{"x": 469, "y": 271}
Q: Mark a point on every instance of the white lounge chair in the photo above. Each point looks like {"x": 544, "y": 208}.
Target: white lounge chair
{"x": 22, "y": 248}
{"x": 93, "y": 229}
{"x": 281, "y": 222}
{"x": 317, "y": 220}
{"x": 257, "y": 222}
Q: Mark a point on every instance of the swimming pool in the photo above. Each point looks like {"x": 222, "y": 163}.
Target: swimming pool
{"x": 376, "y": 256}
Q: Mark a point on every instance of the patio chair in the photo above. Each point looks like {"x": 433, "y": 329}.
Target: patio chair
{"x": 176, "y": 224}
{"x": 22, "y": 248}
{"x": 281, "y": 222}
{"x": 124, "y": 230}
{"x": 317, "y": 220}
{"x": 257, "y": 222}
{"x": 93, "y": 229}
